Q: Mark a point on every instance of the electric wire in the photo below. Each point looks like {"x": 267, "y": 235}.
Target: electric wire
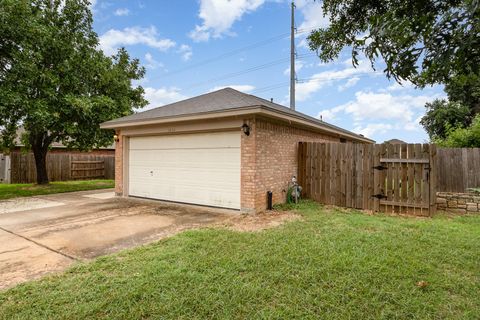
{"x": 284, "y": 84}
{"x": 248, "y": 70}
{"x": 233, "y": 52}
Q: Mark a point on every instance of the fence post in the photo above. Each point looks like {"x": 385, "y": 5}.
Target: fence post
{"x": 301, "y": 164}
{"x": 376, "y": 177}
{"x": 433, "y": 180}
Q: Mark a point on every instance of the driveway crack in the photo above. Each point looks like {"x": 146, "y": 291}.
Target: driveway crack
{"x": 41, "y": 245}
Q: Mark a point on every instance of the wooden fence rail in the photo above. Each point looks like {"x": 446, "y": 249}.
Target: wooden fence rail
{"x": 62, "y": 167}
{"x": 458, "y": 169}
{"x": 383, "y": 177}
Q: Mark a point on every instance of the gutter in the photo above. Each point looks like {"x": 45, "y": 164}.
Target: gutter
{"x": 243, "y": 111}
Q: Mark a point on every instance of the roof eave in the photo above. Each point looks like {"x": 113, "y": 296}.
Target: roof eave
{"x": 244, "y": 111}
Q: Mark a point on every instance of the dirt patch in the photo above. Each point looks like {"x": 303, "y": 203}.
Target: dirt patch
{"x": 258, "y": 222}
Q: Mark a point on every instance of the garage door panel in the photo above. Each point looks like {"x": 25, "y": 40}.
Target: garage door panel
{"x": 183, "y": 158}
{"x": 192, "y": 168}
{"x": 188, "y": 141}
{"x": 191, "y": 194}
{"x": 188, "y": 182}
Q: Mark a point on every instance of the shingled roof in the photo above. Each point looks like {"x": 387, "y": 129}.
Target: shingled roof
{"x": 223, "y": 100}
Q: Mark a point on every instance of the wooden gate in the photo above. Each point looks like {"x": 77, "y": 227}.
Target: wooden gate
{"x": 394, "y": 178}
{"x": 403, "y": 179}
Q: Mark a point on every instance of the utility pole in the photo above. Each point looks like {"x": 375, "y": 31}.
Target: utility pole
{"x": 292, "y": 59}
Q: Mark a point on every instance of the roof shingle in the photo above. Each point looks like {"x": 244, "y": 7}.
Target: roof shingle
{"x": 218, "y": 101}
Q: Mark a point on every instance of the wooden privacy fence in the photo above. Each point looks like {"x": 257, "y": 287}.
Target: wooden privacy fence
{"x": 381, "y": 177}
{"x": 62, "y": 167}
{"x": 458, "y": 169}
{"x": 87, "y": 169}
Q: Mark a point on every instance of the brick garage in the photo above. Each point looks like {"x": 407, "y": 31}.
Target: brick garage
{"x": 269, "y": 160}
{"x": 224, "y": 149}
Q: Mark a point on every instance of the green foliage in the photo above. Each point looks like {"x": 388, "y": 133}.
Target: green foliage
{"x": 55, "y": 82}
{"x": 465, "y": 89}
{"x": 474, "y": 190}
{"x": 442, "y": 115}
{"x": 328, "y": 265}
{"x": 8, "y": 191}
{"x": 425, "y": 42}
{"x": 459, "y": 137}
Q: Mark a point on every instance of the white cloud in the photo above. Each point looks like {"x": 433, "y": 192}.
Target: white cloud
{"x": 219, "y": 15}
{"x": 397, "y": 86}
{"x": 329, "y": 115}
{"x": 151, "y": 62}
{"x": 414, "y": 125}
{"x": 299, "y": 64}
{"x": 378, "y": 105}
{"x": 350, "y": 83}
{"x": 313, "y": 17}
{"x": 373, "y": 128}
{"x": 304, "y": 90}
{"x": 380, "y": 112}
{"x": 186, "y": 52}
{"x": 161, "y": 96}
{"x": 240, "y": 87}
{"x": 113, "y": 39}
{"x": 122, "y": 12}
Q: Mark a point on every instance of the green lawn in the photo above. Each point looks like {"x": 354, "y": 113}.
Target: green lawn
{"x": 8, "y": 191}
{"x": 329, "y": 265}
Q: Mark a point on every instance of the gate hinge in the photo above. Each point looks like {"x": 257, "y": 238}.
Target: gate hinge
{"x": 379, "y": 196}
{"x": 380, "y": 167}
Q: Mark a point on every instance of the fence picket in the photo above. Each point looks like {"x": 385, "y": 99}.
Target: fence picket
{"x": 23, "y": 168}
{"x": 349, "y": 175}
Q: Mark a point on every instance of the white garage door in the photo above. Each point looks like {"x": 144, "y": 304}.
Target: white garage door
{"x": 201, "y": 168}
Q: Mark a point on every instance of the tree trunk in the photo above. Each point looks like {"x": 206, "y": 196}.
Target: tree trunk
{"x": 40, "y": 154}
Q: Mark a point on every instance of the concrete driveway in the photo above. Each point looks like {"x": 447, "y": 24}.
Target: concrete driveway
{"x": 44, "y": 234}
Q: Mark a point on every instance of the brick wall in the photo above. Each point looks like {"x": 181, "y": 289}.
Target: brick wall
{"x": 119, "y": 165}
{"x": 460, "y": 203}
{"x": 268, "y": 161}
{"x": 248, "y": 167}
{"x": 274, "y": 161}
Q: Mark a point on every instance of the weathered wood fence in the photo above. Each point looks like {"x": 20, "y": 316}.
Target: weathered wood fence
{"x": 4, "y": 168}
{"x": 62, "y": 167}
{"x": 458, "y": 169}
{"x": 382, "y": 177}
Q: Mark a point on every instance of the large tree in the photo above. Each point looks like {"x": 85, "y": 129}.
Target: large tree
{"x": 423, "y": 41}
{"x": 462, "y": 137}
{"x": 55, "y": 82}
{"x": 457, "y": 112}
{"x": 442, "y": 116}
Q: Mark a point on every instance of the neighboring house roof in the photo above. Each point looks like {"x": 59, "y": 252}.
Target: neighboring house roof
{"x": 395, "y": 141}
{"x": 222, "y": 103}
{"x": 59, "y": 145}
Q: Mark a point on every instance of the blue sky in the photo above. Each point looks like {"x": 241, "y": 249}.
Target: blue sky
{"x": 190, "y": 47}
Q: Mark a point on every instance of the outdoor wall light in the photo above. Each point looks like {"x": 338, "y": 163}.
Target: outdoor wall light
{"x": 115, "y": 137}
{"x": 246, "y": 129}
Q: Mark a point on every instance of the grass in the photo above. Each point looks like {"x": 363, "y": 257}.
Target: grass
{"x": 474, "y": 190}
{"x": 8, "y": 191}
{"x": 330, "y": 265}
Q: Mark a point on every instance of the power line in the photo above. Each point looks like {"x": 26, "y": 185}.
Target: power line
{"x": 359, "y": 75}
{"x": 284, "y": 84}
{"x": 245, "y": 71}
{"x": 232, "y": 52}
